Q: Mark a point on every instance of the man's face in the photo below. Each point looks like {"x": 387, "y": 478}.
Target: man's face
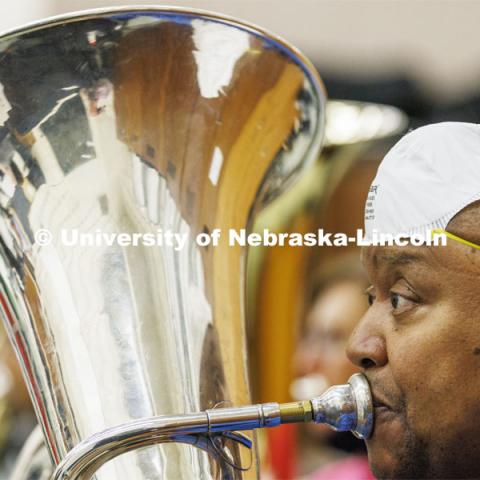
{"x": 419, "y": 346}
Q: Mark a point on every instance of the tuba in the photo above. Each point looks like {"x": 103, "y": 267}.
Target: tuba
{"x": 131, "y": 142}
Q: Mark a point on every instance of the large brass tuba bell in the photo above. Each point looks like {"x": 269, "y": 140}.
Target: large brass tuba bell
{"x": 141, "y": 121}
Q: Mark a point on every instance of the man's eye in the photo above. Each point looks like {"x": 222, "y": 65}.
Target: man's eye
{"x": 370, "y": 295}
{"x": 400, "y": 304}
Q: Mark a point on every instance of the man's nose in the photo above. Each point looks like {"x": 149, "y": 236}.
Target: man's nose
{"x": 366, "y": 347}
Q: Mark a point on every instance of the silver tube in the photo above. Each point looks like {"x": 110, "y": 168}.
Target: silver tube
{"x": 87, "y": 457}
{"x": 343, "y": 407}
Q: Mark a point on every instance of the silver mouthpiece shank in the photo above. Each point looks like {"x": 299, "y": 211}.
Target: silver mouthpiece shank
{"x": 346, "y": 407}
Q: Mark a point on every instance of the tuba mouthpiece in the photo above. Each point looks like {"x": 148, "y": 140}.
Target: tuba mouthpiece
{"x": 342, "y": 407}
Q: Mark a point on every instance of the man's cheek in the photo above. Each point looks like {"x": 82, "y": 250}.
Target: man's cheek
{"x": 428, "y": 384}
{"x": 413, "y": 374}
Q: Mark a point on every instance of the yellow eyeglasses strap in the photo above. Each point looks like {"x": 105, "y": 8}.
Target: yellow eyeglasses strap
{"x": 441, "y": 231}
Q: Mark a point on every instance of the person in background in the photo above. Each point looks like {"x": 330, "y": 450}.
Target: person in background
{"x": 337, "y": 304}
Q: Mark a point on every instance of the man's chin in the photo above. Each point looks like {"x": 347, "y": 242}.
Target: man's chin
{"x": 384, "y": 463}
{"x": 387, "y": 445}
{"x": 401, "y": 468}
{"x": 393, "y": 451}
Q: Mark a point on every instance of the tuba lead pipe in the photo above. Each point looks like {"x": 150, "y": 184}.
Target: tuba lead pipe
{"x": 342, "y": 407}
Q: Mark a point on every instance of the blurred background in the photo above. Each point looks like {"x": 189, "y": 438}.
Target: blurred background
{"x": 388, "y": 66}
{"x": 421, "y": 55}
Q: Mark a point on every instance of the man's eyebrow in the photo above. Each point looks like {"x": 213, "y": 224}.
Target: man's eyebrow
{"x": 398, "y": 258}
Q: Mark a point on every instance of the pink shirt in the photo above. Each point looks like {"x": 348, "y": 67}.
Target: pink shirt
{"x": 351, "y": 468}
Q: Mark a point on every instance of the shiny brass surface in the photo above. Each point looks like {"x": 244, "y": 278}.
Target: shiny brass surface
{"x": 139, "y": 121}
{"x": 295, "y": 412}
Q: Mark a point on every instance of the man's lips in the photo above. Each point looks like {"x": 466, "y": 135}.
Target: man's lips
{"x": 377, "y": 403}
{"x": 382, "y": 408}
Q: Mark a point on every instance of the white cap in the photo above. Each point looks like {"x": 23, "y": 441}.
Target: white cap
{"x": 425, "y": 179}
